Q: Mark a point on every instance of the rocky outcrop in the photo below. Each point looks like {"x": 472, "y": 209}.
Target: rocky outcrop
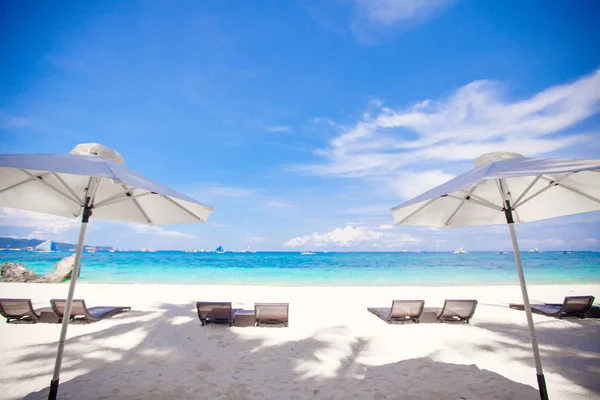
{"x": 15, "y": 272}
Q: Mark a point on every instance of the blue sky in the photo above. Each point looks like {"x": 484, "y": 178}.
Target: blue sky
{"x": 302, "y": 122}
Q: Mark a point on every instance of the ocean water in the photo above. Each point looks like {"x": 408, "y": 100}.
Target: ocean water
{"x": 322, "y": 269}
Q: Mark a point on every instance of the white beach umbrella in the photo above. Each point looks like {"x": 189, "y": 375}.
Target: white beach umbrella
{"x": 509, "y": 188}
{"x": 90, "y": 182}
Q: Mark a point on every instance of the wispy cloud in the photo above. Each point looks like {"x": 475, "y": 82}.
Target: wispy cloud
{"x": 156, "y": 230}
{"x": 225, "y": 191}
{"x": 278, "y": 204}
{"x": 373, "y": 17}
{"x": 10, "y": 122}
{"x": 390, "y": 12}
{"x": 278, "y": 128}
{"x": 389, "y": 144}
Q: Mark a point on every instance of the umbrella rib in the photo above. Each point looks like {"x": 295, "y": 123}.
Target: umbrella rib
{"x": 20, "y": 183}
{"x": 537, "y": 178}
{"x": 67, "y": 187}
{"x": 482, "y": 200}
{"x": 49, "y": 186}
{"x": 182, "y": 208}
{"x": 587, "y": 196}
{"x": 133, "y": 199}
{"x": 551, "y": 184}
{"x": 462, "y": 203}
{"x": 416, "y": 211}
{"x": 479, "y": 203}
{"x": 121, "y": 197}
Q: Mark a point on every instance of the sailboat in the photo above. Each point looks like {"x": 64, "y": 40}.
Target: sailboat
{"x": 219, "y": 250}
{"x": 307, "y": 253}
{"x": 460, "y": 251}
{"x": 48, "y": 245}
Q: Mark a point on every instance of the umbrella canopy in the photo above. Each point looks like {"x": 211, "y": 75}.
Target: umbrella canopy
{"x": 507, "y": 188}
{"x": 91, "y": 181}
{"x": 537, "y": 189}
{"x": 57, "y": 183}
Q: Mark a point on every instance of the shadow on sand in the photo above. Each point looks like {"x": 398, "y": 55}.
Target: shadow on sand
{"x": 177, "y": 358}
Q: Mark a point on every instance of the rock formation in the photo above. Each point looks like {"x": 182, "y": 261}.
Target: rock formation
{"x": 16, "y": 272}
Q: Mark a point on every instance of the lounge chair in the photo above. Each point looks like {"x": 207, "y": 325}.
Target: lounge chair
{"x": 19, "y": 310}
{"x": 401, "y": 311}
{"x": 455, "y": 310}
{"x": 217, "y": 312}
{"x": 572, "y": 306}
{"x": 271, "y": 313}
{"x": 79, "y": 311}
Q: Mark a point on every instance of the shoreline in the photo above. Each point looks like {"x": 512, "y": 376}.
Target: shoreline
{"x": 332, "y": 346}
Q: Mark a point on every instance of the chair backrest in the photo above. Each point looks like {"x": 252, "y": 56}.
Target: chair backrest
{"x": 463, "y": 309}
{"x": 15, "y": 307}
{"x": 577, "y": 304}
{"x": 271, "y": 311}
{"x": 216, "y": 310}
{"x": 78, "y": 307}
{"x": 407, "y": 308}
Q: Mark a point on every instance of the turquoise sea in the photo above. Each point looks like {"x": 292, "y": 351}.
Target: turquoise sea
{"x": 324, "y": 269}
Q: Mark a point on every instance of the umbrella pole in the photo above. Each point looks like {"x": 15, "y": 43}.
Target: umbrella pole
{"x": 67, "y": 314}
{"x": 534, "y": 344}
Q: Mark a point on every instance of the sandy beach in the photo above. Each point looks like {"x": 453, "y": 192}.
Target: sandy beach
{"x": 333, "y": 348}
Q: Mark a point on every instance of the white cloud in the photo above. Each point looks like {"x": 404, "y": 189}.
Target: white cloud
{"x": 350, "y": 236}
{"x": 410, "y": 184}
{"x": 9, "y": 122}
{"x": 278, "y": 204}
{"x": 403, "y": 148}
{"x": 389, "y": 12}
{"x": 343, "y": 237}
{"x": 371, "y": 18}
{"x": 218, "y": 225}
{"x": 278, "y": 128}
{"x": 42, "y": 224}
{"x": 386, "y": 226}
{"x": 225, "y": 191}
{"x": 254, "y": 240}
{"x": 474, "y": 120}
{"x": 156, "y": 230}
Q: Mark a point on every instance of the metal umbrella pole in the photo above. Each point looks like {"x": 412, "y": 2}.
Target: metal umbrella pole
{"x": 87, "y": 213}
{"x": 534, "y": 344}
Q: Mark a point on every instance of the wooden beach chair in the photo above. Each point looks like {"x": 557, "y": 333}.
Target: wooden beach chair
{"x": 271, "y": 313}
{"x": 216, "y": 312}
{"x": 572, "y": 306}
{"x": 79, "y": 311}
{"x": 19, "y": 310}
{"x": 455, "y": 310}
{"x": 400, "y": 311}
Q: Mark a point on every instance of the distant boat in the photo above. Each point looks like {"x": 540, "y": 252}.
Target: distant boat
{"x": 307, "y": 253}
{"x": 112, "y": 251}
{"x": 536, "y": 250}
{"x": 402, "y": 251}
{"x": 219, "y": 250}
{"x": 91, "y": 249}
{"x": 48, "y": 245}
{"x": 500, "y": 251}
{"x": 460, "y": 251}
{"x": 191, "y": 251}
{"x": 567, "y": 252}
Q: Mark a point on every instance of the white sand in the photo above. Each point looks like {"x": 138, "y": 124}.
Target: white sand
{"x": 333, "y": 348}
